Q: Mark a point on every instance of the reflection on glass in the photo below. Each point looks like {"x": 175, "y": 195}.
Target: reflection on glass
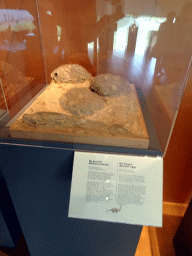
{"x": 19, "y": 47}
{"x": 59, "y": 32}
{"x": 4, "y": 113}
{"x": 3, "y": 103}
{"x": 161, "y": 79}
{"x": 145, "y": 69}
{"x": 164, "y": 44}
{"x": 172, "y": 52}
{"x": 90, "y": 51}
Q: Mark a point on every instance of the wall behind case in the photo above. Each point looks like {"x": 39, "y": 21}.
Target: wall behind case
{"x": 178, "y": 159}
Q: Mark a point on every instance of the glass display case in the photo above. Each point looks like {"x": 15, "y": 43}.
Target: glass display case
{"x": 99, "y": 72}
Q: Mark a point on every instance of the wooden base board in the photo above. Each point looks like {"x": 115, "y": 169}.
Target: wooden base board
{"x": 92, "y": 140}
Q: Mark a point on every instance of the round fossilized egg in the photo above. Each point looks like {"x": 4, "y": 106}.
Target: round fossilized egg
{"x": 70, "y": 73}
{"x": 81, "y": 102}
{"x": 110, "y": 85}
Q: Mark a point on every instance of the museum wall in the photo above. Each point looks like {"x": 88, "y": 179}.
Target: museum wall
{"x": 178, "y": 158}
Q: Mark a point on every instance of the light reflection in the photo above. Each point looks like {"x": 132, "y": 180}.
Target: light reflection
{"x": 90, "y": 51}
{"x": 14, "y": 25}
{"x": 120, "y": 39}
{"x": 18, "y": 20}
{"x": 19, "y": 50}
{"x": 62, "y": 54}
{"x": 142, "y": 36}
{"x": 58, "y": 33}
{"x": 55, "y": 49}
{"x": 146, "y": 26}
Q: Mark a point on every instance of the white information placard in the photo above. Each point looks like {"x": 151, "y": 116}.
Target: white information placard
{"x": 117, "y": 188}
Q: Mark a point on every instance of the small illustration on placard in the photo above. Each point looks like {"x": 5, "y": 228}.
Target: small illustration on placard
{"x": 113, "y": 210}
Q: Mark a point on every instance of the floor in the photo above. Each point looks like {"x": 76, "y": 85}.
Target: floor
{"x": 20, "y": 250}
{"x": 163, "y": 245}
{"x": 158, "y": 241}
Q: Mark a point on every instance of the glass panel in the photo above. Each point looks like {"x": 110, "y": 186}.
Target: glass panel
{"x": 3, "y": 106}
{"x": 171, "y": 54}
{"x": 22, "y": 69}
{"x": 148, "y": 43}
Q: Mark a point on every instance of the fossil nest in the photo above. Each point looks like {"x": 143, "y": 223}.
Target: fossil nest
{"x": 80, "y": 101}
{"x": 70, "y": 73}
{"x": 110, "y": 85}
{"x": 76, "y": 102}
